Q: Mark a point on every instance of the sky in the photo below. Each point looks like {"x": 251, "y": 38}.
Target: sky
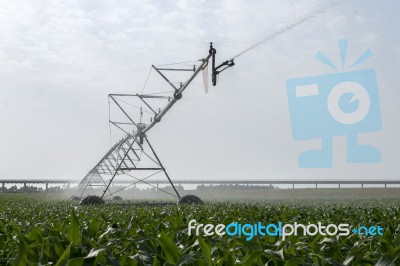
{"x": 60, "y": 59}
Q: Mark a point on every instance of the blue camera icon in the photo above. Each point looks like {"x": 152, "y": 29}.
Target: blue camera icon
{"x": 324, "y": 106}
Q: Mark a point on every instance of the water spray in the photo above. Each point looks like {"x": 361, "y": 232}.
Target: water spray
{"x": 291, "y": 26}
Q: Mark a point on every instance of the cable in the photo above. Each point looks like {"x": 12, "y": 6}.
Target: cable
{"x": 179, "y": 63}
{"x": 154, "y": 93}
{"x": 138, "y": 180}
{"x": 145, "y": 84}
{"x": 134, "y": 106}
{"x": 147, "y": 183}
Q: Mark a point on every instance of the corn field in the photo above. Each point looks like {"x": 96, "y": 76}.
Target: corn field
{"x": 37, "y": 231}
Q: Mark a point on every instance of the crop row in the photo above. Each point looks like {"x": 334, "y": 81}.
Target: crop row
{"x": 34, "y": 232}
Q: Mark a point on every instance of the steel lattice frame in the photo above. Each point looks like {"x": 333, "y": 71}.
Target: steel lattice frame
{"x": 126, "y": 155}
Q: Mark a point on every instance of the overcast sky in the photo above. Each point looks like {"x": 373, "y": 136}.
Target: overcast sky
{"x": 60, "y": 59}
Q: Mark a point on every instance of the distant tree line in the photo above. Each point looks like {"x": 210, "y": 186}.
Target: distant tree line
{"x": 29, "y": 189}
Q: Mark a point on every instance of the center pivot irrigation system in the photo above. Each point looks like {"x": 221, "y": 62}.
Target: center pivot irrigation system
{"x": 133, "y": 158}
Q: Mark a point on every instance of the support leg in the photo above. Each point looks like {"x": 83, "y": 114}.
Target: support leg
{"x": 165, "y": 171}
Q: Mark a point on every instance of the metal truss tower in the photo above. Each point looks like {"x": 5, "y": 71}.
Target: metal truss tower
{"x": 133, "y": 157}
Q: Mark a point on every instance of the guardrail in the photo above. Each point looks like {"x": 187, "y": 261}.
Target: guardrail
{"x": 246, "y": 182}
